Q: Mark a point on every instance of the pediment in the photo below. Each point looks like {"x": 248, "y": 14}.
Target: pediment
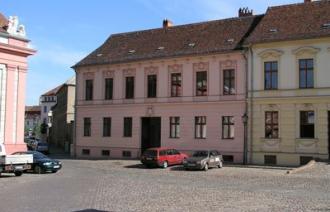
{"x": 270, "y": 53}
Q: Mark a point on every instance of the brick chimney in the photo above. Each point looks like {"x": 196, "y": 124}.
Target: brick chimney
{"x": 243, "y": 12}
{"x": 167, "y": 23}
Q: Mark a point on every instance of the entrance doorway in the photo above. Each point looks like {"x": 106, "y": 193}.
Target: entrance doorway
{"x": 150, "y": 135}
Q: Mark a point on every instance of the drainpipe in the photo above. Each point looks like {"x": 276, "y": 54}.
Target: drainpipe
{"x": 245, "y": 115}
{"x": 251, "y": 104}
{"x": 75, "y": 118}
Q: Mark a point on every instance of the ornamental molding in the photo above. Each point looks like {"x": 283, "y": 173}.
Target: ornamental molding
{"x": 175, "y": 68}
{"x": 108, "y": 73}
{"x": 201, "y": 66}
{"x": 151, "y": 70}
{"x": 14, "y": 28}
{"x": 89, "y": 74}
{"x": 306, "y": 50}
{"x": 270, "y": 53}
{"x": 228, "y": 64}
{"x": 129, "y": 72}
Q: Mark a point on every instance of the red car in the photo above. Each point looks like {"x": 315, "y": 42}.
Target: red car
{"x": 162, "y": 157}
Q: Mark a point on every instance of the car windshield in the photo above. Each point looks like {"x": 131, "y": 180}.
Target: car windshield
{"x": 201, "y": 154}
{"x": 152, "y": 153}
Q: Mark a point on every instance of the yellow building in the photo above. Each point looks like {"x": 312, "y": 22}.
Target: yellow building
{"x": 289, "y": 85}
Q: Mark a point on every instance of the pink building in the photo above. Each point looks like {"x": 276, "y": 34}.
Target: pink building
{"x": 14, "y": 51}
{"x": 177, "y": 86}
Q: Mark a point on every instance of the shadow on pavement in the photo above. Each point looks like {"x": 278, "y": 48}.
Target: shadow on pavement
{"x": 91, "y": 210}
{"x": 138, "y": 166}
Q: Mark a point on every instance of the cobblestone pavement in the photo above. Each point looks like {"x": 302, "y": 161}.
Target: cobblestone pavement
{"x": 126, "y": 186}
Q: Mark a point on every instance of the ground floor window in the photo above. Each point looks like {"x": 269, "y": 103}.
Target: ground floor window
{"x": 307, "y": 124}
{"x": 87, "y": 127}
{"x": 305, "y": 159}
{"x": 174, "y": 127}
{"x": 228, "y": 129}
{"x": 270, "y": 160}
{"x": 105, "y": 152}
{"x": 200, "y": 127}
{"x": 127, "y": 154}
{"x": 128, "y": 121}
{"x": 271, "y": 124}
{"x": 85, "y": 152}
{"x": 106, "y": 127}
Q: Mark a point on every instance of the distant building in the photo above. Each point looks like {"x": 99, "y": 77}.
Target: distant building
{"x": 32, "y": 121}
{"x": 14, "y": 50}
{"x": 61, "y": 131}
{"x": 47, "y": 101}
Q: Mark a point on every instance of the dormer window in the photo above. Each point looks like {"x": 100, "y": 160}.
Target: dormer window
{"x": 161, "y": 48}
{"x": 326, "y": 26}
{"x": 230, "y": 40}
{"x": 192, "y": 45}
{"x": 132, "y": 51}
{"x": 99, "y": 55}
{"x": 273, "y": 30}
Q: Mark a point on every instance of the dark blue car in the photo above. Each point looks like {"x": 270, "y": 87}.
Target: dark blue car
{"x": 42, "y": 163}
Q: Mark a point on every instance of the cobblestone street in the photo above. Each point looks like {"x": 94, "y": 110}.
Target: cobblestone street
{"x": 127, "y": 186}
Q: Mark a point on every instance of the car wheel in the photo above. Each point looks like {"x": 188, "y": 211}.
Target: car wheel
{"x": 165, "y": 165}
{"x": 18, "y": 173}
{"x": 220, "y": 165}
{"x": 38, "y": 170}
{"x": 206, "y": 167}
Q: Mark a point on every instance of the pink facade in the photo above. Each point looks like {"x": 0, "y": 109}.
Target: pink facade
{"x": 213, "y": 106}
{"x": 14, "y": 51}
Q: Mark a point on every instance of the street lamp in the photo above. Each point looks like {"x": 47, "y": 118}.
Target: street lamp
{"x": 245, "y": 119}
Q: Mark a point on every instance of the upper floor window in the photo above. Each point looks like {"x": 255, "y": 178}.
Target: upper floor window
{"x": 152, "y": 86}
{"x": 306, "y": 73}
{"x": 201, "y": 83}
{"x": 128, "y": 123}
{"x": 228, "y": 128}
{"x": 108, "y": 88}
{"x": 106, "y": 127}
{"x": 87, "y": 127}
{"x": 307, "y": 124}
{"x": 45, "y": 109}
{"x": 174, "y": 127}
{"x": 270, "y": 69}
{"x": 229, "y": 82}
{"x": 176, "y": 84}
{"x": 200, "y": 127}
{"x": 129, "y": 88}
{"x": 89, "y": 90}
{"x": 271, "y": 124}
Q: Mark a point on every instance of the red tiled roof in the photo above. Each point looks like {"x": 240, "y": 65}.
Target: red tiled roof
{"x": 53, "y": 91}
{"x": 209, "y": 37}
{"x": 32, "y": 109}
{"x": 293, "y": 22}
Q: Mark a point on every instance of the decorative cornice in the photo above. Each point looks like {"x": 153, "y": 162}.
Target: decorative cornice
{"x": 306, "y": 49}
{"x": 201, "y": 66}
{"x": 270, "y": 53}
{"x": 151, "y": 70}
{"x": 175, "y": 68}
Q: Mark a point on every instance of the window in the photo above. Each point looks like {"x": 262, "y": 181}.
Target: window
{"x": 201, "y": 83}
{"x": 306, "y": 69}
{"x": 108, "y": 88}
{"x": 174, "y": 127}
{"x": 307, "y": 124}
{"x": 87, "y": 127}
{"x": 85, "y": 152}
{"x": 106, "y": 153}
{"x": 175, "y": 84}
{"x": 228, "y": 158}
{"x": 229, "y": 82}
{"x": 127, "y": 154}
{"x": 106, "y": 127}
{"x": 271, "y": 124}
{"x": 270, "y": 69}
{"x": 152, "y": 86}
{"x": 128, "y": 126}
{"x": 129, "y": 87}
{"x": 270, "y": 160}
{"x": 200, "y": 127}
{"x": 45, "y": 109}
{"x": 89, "y": 90}
{"x": 228, "y": 129}
{"x": 305, "y": 159}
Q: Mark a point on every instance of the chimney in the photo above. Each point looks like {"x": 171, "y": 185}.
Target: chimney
{"x": 243, "y": 12}
{"x": 167, "y": 23}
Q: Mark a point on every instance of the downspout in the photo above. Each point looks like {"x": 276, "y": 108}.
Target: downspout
{"x": 251, "y": 104}
{"x": 245, "y": 159}
{"x": 75, "y": 118}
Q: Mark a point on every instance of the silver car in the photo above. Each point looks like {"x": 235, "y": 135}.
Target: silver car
{"x": 203, "y": 160}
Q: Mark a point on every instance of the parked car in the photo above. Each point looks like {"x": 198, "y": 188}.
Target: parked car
{"x": 42, "y": 163}
{"x": 203, "y": 160}
{"x": 16, "y": 164}
{"x": 162, "y": 157}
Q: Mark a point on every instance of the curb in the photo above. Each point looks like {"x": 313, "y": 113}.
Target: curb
{"x": 301, "y": 168}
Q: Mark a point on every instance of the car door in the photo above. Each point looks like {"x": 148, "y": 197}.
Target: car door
{"x": 170, "y": 157}
{"x": 212, "y": 161}
{"x": 176, "y": 156}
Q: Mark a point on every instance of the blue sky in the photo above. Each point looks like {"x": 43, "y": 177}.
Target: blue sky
{"x": 64, "y": 31}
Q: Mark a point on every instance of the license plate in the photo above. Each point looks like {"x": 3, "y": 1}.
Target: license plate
{"x": 57, "y": 166}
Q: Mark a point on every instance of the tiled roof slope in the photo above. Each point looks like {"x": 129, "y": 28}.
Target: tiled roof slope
{"x": 293, "y": 22}
{"x": 208, "y": 37}
{"x": 53, "y": 91}
{"x": 3, "y": 23}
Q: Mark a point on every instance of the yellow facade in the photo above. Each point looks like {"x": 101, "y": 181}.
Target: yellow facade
{"x": 289, "y": 149}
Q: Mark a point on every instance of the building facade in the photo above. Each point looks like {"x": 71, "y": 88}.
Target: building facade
{"x": 289, "y": 90}
{"x": 14, "y": 50}
{"x": 170, "y": 87}
{"x": 32, "y": 121}
{"x": 63, "y": 116}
